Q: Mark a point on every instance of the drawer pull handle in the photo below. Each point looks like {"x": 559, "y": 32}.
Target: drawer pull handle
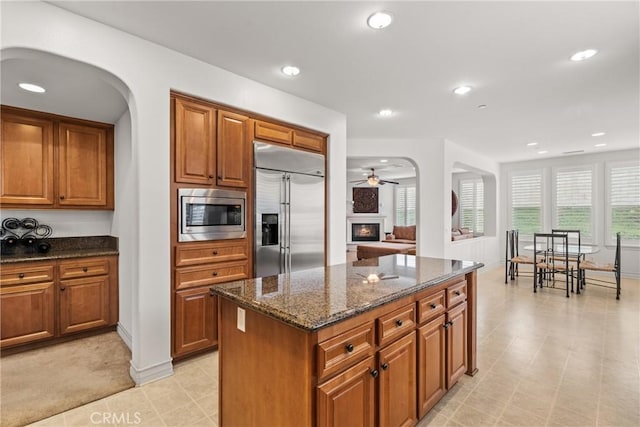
{"x": 21, "y": 275}
{"x": 398, "y": 322}
{"x": 62, "y": 288}
{"x": 61, "y": 197}
{"x": 433, "y": 306}
{"x": 446, "y": 325}
{"x": 210, "y": 176}
{"x": 385, "y": 366}
{"x": 85, "y": 269}
{"x": 215, "y": 252}
{"x": 374, "y": 373}
{"x": 457, "y": 293}
{"x": 215, "y": 273}
{"x": 349, "y": 347}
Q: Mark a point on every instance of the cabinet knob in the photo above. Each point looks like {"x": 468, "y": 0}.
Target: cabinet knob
{"x": 457, "y": 293}
{"x": 215, "y": 252}
{"x": 210, "y": 176}
{"x": 433, "y": 306}
{"x": 374, "y": 373}
{"x": 61, "y": 197}
{"x": 349, "y": 347}
{"x": 214, "y": 274}
{"x": 21, "y": 275}
{"x": 62, "y": 288}
{"x": 446, "y": 325}
{"x": 85, "y": 269}
{"x": 450, "y": 322}
{"x": 384, "y": 366}
{"x": 399, "y": 322}
{"x": 219, "y": 176}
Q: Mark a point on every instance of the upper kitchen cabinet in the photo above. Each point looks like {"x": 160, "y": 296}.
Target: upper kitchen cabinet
{"x": 26, "y": 159}
{"x": 233, "y": 150}
{"x": 195, "y": 132}
{"x": 55, "y": 162}
{"x": 266, "y": 131}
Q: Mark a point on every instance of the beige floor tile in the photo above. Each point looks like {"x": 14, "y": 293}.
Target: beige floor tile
{"x": 433, "y": 419}
{"x": 517, "y": 416}
{"x": 485, "y": 403}
{"x": 168, "y": 402}
{"x": 563, "y": 416}
{"x": 186, "y": 415}
{"x": 55, "y": 421}
{"x": 209, "y": 404}
{"x": 469, "y": 416}
{"x": 87, "y": 414}
{"x": 618, "y": 417}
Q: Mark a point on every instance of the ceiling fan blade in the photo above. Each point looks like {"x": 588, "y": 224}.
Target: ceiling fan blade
{"x": 390, "y": 182}
{"x": 360, "y": 181}
{"x": 389, "y": 277}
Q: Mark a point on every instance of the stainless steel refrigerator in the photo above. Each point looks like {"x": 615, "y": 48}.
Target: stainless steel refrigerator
{"x": 289, "y": 209}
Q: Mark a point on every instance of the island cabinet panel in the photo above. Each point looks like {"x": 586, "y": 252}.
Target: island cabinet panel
{"x": 27, "y": 313}
{"x": 196, "y": 320}
{"x": 26, "y": 160}
{"x": 456, "y": 344}
{"x": 195, "y": 133}
{"x": 431, "y": 364}
{"x": 348, "y": 399}
{"x": 397, "y": 383}
{"x": 233, "y": 150}
{"x": 342, "y": 351}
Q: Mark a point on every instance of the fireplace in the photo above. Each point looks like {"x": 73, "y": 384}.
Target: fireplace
{"x": 365, "y": 232}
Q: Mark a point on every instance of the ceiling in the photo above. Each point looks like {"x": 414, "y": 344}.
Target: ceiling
{"x": 514, "y": 54}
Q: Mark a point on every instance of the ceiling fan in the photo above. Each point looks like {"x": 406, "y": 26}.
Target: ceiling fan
{"x": 374, "y": 180}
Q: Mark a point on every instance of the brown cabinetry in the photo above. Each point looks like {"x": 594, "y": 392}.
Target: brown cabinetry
{"x": 233, "y": 150}
{"x": 272, "y": 132}
{"x": 397, "y": 383}
{"x": 198, "y": 266}
{"x": 195, "y": 132}
{"x": 41, "y": 300}
{"x": 51, "y": 161}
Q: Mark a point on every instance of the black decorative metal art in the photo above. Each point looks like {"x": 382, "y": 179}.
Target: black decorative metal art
{"x": 27, "y": 232}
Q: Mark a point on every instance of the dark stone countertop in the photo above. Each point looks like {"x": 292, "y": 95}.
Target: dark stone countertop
{"x": 61, "y": 247}
{"x": 316, "y": 298}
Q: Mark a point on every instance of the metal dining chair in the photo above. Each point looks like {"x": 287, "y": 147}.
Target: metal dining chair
{"x": 593, "y": 266}
{"x": 574, "y": 256}
{"x": 554, "y": 249}
{"x": 512, "y": 257}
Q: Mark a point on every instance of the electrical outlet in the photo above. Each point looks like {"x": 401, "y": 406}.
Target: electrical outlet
{"x": 241, "y": 317}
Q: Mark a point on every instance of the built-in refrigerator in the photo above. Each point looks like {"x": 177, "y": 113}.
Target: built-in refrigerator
{"x": 289, "y": 209}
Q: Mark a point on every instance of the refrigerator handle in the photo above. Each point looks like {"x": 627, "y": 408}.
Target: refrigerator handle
{"x": 288, "y": 223}
{"x": 282, "y": 226}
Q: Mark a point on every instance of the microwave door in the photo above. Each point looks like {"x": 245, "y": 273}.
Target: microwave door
{"x": 269, "y": 223}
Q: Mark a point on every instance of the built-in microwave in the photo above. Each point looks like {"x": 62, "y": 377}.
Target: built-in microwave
{"x": 211, "y": 214}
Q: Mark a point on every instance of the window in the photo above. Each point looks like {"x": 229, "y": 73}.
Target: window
{"x": 472, "y": 205}
{"x": 623, "y": 187}
{"x": 573, "y": 201}
{"x": 526, "y": 202}
{"x": 405, "y": 205}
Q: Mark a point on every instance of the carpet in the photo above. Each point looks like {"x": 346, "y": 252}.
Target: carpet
{"x": 37, "y": 384}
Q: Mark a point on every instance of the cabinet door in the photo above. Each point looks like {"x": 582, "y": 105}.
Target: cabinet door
{"x": 233, "y": 150}
{"x": 348, "y": 399}
{"x": 26, "y": 160}
{"x": 397, "y": 393}
{"x": 431, "y": 364}
{"x": 196, "y": 320}
{"x": 27, "y": 313}
{"x": 456, "y": 344}
{"x": 195, "y": 132}
{"x": 82, "y": 166}
{"x": 308, "y": 140}
{"x": 84, "y": 303}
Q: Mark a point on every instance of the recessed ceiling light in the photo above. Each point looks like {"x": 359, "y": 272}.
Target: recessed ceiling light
{"x": 461, "y": 90}
{"x": 383, "y": 160}
{"x": 543, "y": 152}
{"x": 379, "y": 20}
{"x": 532, "y": 144}
{"x": 600, "y": 145}
{"x": 583, "y": 54}
{"x": 385, "y": 113}
{"x": 598, "y": 134}
{"x": 290, "y": 70}
{"x": 31, "y": 87}
{"x": 482, "y": 106}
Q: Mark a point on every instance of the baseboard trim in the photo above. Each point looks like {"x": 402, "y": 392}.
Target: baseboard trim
{"x": 124, "y": 335}
{"x": 151, "y": 373}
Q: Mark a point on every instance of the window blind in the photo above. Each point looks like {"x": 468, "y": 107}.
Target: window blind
{"x": 573, "y": 207}
{"x": 624, "y": 202}
{"x": 472, "y": 205}
{"x": 405, "y": 205}
{"x": 526, "y": 202}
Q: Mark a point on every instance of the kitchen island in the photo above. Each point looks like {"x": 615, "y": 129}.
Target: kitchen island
{"x": 373, "y": 342}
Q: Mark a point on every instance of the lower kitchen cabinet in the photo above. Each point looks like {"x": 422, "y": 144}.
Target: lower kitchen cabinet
{"x": 456, "y": 343}
{"x": 83, "y": 304}
{"x": 196, "y": 320}
{"x": 431, "y": 364}
{"x": 397, "y": 383}
{"x": 27, "y": 313}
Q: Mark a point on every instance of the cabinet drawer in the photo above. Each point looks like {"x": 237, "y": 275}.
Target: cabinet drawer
{"x": 456, "y": 293}
{"x": 22, "y": 274}
{"x": 308, "y": 140}
{"x": 85, "y": 267}
{"x": 431, "y": 306}
{"x": 273, "y": 132}
{"x": 190, "y": 277}
{"x": 345, "y": 349}
{"x": 210, "y": 252}
{"x": 396, "y": 324}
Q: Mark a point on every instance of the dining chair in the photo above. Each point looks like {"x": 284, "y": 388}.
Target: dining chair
{"x": 593, "y": 266}
{"x": 575, "y": 253}
{"x": 554, "y": 249}
{"x": 512, "y": 257}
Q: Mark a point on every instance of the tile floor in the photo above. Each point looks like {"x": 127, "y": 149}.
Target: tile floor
{"x": 544, "y": 360}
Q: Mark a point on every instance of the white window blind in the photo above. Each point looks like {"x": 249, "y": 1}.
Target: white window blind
{"x": 526, "y": 202}
{"x": 573, "y": 201}
{"x": 472, "y": 205}
{"x": 624, "y": 202}
{"x": 405, "y": 205}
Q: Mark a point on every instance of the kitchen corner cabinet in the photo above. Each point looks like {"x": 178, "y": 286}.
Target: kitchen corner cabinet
{"x": 211, "y": 146}
{"x": 55, "y": 162}
{"x": 50, "y": 299}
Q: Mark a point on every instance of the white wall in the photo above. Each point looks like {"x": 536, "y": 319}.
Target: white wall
{"x": 149, "y": 72}
{"x": 629, "y": 256}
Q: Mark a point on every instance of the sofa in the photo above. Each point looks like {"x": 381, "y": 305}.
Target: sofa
{"x": 402, "y": 234}
{"x": 460, "y": 234}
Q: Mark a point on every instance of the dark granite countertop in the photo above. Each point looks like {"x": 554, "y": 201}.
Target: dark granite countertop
{"x": 316, "y": 298}
{"x": 61, "y": 247}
